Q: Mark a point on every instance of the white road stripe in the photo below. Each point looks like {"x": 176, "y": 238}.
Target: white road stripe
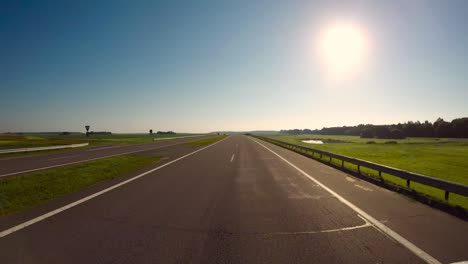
{"x": 363, "y": 188}
{"x": 350, "y": 179}
{"x": 68, "y": 206}
{"x": 64, "y": 157}
{"x": 80, "y": 161}
{"x": 96, "y": 149}
{"x": 366, "y": 224}
{"x": 232, "y": 157}
{"x": 412, "y": 247}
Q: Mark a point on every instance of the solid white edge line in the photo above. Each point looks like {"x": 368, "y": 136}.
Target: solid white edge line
{"x": 17, "y": 150}
{"x": 104, "y": 148}
{"x": 68, "y": 206}
{"x": 80, "y": 161}
{"x": 412, "y": 247}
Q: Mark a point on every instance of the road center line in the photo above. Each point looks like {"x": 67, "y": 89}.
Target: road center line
{"x": 68, "y": 206}
{"x": 410, "y": 246}
{"x": 232, "y": 157}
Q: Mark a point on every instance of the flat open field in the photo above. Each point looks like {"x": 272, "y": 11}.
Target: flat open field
{"x": 8, "y": 141}
{"x": 442, "y": 158}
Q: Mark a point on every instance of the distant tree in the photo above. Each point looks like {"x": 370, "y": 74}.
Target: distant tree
{"x": 353, "y": 131}
{"x": 460, "y": 127}
{"x": 367, "y": 133}
{"x": 151, "y": 131}
{"x": 427, "y": 129}
{"x": 442, "y": 128}
{"x": 397, "y": 134}
{"x": 165, "y": 132}
{"x": 382, "y": 132}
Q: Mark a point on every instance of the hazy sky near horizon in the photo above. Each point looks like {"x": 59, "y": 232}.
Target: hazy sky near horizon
{"x": 201, "y": 66}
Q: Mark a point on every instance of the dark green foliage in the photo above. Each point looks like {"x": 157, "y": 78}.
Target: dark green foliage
{"x": 457, "y": 128}
{"x": 382, "y": 132}
{"x": 397, "y": 134}
{"x": 367, "y": 133}
{"x": 165, "y": 132}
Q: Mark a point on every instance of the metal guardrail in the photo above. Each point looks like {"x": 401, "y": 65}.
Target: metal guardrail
{"x": 448, "y": 187}
{"x": 17, "y": 150}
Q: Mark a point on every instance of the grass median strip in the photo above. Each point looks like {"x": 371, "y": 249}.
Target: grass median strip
{"x": 31, "y": 189}
{"x": 203, "y": 142}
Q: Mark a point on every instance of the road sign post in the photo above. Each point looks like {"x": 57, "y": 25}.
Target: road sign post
{"x": 87, "y": 131}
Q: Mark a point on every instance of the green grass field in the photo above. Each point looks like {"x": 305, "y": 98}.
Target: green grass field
{"x": 31, "y": 189}
{"x": 10, "y": 141}
{"x": 441, "y": 158}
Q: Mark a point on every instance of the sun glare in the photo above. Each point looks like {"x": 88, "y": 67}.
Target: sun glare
{"x": 343, "y": 48}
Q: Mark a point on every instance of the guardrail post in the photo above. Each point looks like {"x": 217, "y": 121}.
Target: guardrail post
{"x": 446, "y": 195}
{"x": 342, "y": 164}
{"x": 359, "y": 169}
{"x": 380, "y": 176}
{"x": 408, "y": 183}
{"x": 330, "y": 159}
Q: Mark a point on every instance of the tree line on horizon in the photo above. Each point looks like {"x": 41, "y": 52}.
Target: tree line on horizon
{"x": 457, "y": 128}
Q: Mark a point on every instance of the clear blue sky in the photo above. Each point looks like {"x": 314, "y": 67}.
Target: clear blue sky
{"x": 128, "y": 66}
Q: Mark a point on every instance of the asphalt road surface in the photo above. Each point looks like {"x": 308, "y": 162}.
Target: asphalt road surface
{"x": 241, "y": 200}
{"x": 22, "y": 164}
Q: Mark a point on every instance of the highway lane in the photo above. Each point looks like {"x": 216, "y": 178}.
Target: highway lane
{"x": 443, "y": 235}
{"x": 234, "y": 202}
{"x": 17, "y": 165}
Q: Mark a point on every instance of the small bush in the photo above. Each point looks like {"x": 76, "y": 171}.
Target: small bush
{"x": 391, "y": 142}
{"x": 371, "y": 142}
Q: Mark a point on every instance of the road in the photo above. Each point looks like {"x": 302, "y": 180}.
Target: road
{"x": 22, "y": 164}
{"x": 241, "y": 201}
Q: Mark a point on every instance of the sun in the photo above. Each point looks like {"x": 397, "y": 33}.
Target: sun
{"x": 343, "y": 48}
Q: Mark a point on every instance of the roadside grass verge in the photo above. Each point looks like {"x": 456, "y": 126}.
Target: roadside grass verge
{"x": 31, "y": 189}
{"x": 11, "y": 141}
{"x": 434, "y": 193}
{"x": 205, "y": 141}
{"x": 440, "y": 158}
{"x": 40, "y": 152}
